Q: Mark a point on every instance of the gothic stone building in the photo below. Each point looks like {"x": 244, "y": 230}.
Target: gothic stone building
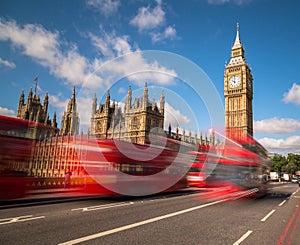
{"x": 54, "y": 151}
{"x": 134, "y": 124}
{"x": 33, "y": 110}
{"x": 53, "y": 156}
{"x": 70, "y": 119}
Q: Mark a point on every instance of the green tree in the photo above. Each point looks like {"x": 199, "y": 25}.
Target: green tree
{"x": 289, "y": 168}
{"x": 278, "y": 162}
{"x": 295, "y": 159}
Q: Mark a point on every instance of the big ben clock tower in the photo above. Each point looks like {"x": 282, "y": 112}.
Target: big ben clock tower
{"x": 238, "y": 93}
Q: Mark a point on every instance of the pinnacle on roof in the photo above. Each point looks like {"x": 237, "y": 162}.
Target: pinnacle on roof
{"x": 237, "y": 42}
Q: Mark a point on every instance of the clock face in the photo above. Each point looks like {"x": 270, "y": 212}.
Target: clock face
{"x": 234, "y": 81}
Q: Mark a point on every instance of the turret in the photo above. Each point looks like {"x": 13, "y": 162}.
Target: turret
{"x": 100, "y": 107}
{"x": 153, "y": 104}
{"x": 29, "y": 99}
{"x": 128, "y": 101}
{"x": 46, "y": 122}
{"x": 70, "y": 119}
{"x": 20, "y": 105}
{"x": 107, "y": 101}
{"x": 162, "y": 103}
{"x": 46, "y": 102}
{"x": 169, "y": 130}
{"x": 72, "y": 101}
{"x": 201, "y": 139}
{"x": 38, "y": 115}
{"x": 54, "y": 123}
{"x": 73, "y": 125}
{"x": 212, "y": 137}
{"x": 183, "y": 135}
{"x": 195, "y": 138}
{"x": 21, "y": 100}
{"x": 94, "y": 106}
{"x": 145, "y": 96}
{"x": 177, "y": 132}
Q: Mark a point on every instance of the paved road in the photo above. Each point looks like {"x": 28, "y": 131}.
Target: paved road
{"x": 181, "y": 218}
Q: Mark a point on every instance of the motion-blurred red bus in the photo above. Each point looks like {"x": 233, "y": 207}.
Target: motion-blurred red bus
{"x": 125, "y": 168}
{"x": 238, "y": 165}
{"x": 17, "y": 140}
{"x": 196, "y": 175}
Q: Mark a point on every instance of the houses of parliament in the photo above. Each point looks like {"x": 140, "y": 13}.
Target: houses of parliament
{"x": 54, "y": 151}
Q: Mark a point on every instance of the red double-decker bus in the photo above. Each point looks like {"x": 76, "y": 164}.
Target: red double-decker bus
{"x": 125, "y": 168}
{"x": 17, "y": 138}
{"x": 238, "y": 166}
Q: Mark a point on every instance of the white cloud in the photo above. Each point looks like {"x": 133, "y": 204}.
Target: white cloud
{"x": 34, "y": 40}
{"x": 138, "y": 70}
{"x": 148, "y": 18}
{"x": 152, "y": 21}
{"x": 126, "y": 61}
{"x": 293, "y": 95}
{"x": 122, "y": 90}
{"x": 277, "y": 126}
{"x": 174, "y": 117}
{"x": 84, "y": 109}
{"x": 121, "y": 45}
{"x": 282, "y": 146}
{"x": 58, "y": 103}
{"x": 168, "y": 33}
{"x": 101, "y": 44}
{"x": 7, "y": 63}
{"x": 110, "y": 45}
{"x": 44, "y": 47}
{"x": 7, "y": 112}
{"x": 106, "y": 7}
{"x": 237, "y": 2}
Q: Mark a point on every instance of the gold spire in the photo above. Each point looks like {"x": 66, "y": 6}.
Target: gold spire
{"x": 237, "y": 42}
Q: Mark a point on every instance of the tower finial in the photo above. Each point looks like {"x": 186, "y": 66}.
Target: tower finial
{"x": 36, "y": 78}
{"x": 237, "y": 42}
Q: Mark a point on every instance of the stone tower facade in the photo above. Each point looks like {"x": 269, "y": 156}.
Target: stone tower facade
{"x": 70, "y": 119}
{"x": 238, "y": 93}
{"x": 33, "y": 109}
{"x": 134, "y": 124}
{"x": 36, "y": 111}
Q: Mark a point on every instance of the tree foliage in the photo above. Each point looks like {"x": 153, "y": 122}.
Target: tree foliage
{"x": 283, "y": 164}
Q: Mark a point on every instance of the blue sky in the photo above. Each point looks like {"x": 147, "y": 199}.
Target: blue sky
{"x": 65, "y": 43}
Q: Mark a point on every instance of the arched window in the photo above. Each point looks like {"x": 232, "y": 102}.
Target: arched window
{"x": 135, "y": 123}
{"x": 99, "y": 126}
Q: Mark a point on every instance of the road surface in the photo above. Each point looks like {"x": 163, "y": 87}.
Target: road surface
{"x": 177, "y": 218}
